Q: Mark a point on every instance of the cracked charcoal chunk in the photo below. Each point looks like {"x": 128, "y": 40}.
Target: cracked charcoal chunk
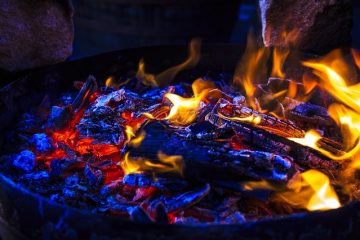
{"x": 137, "y": 214}
{"x": 138, "y": 180}
{"x": 101, "y": 124}
{"x": 59, "y": 117}
{"x": 37, "y": 176}
{"x": 115, "y": 96}
{"x": 94, "y": 177}
{"x": 42, "y": 142}
{"x": 25, "y": 161}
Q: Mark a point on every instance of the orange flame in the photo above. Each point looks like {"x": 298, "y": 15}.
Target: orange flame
{"x": 168, "y": 75}
{"x": 279, "y": 57}
{"x": 250, "y": 119}
{"x": 165, "y": 164}
{"x": 110, "y": 82}
{"x": 251, "y": 69}
{"x": 310, "y": 139}
{"x": 311, "y": 191}
{"x": 309, "y": 83}
{"x": 332, "y": 71}
{"x": 184, "y": 110}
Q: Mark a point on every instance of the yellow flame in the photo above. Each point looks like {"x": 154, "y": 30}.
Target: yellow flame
{"x": 309, "y": 83}
{"x": 251, "y": 69}
{"x": 129, "y": 131}
{"x": 110, "y": 82}
{"x": 251, "y": 119}
{"x": 147, "y": 79}
{"x": 168, "y": 75}
{"x": 310, "y": 139}
{"x": 184, "y": 110}
{"x": 165, "y": 163}
{"x": 332, "y": 71}
{"x": 279, "y": 57}
{"x": 312, "y": 191}
{"x": 137, "y": 140}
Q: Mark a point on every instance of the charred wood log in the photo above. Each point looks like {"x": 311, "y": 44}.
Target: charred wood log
{"x": 181, "y": 201}
{"x": 260, "y": 136}
{"x": 60, "y": 116}
{"x": 204, "y": 159}
{"x": 82, "y": 99}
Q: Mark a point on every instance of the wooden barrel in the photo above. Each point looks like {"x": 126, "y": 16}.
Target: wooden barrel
{"x": 113, "y": 24}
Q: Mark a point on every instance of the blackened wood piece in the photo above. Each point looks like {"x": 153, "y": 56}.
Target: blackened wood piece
{"x": 180, "y": 201}
{"x": 89, "y": 87}
{"x": 224, "y": 109}
{"x": 270, "y": 142}
{"x": 212, "y": 159}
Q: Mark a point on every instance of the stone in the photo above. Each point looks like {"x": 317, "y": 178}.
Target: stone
{"x": 35, "y": 33}
{"x": 315, "y": 26}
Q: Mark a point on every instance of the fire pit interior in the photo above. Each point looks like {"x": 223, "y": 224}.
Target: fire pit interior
{"x": 277, "y": 139}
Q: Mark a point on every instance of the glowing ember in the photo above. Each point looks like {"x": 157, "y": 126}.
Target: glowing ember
{"x": 205, "y": 152}
{"x": 165, "y": 164}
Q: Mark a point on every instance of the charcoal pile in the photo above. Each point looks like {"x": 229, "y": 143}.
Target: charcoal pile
{"x": 186, "y": 153}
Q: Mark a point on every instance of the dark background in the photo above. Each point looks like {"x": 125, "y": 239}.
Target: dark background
{"x": 102, "y": 26}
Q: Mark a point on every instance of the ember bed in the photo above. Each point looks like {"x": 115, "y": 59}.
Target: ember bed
{"x": 28, "y": 214}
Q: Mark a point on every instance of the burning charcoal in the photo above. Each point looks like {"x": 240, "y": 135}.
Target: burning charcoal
{"x": 104, "y": 100}
{"x": 309, "y": 116}
{"x": 170, "y": 183}
{"x": 263, "y": 139}
{"x": 25, "y": 161}
{"x": 66, "y": 99}
{"x": 42, "y": 142}
{"x": 137, "y": 214}
{"x": 111, "y": 187}
{"x": 59, "y": 117}
{"x": 85, "y": 93}
{"x": 70, "y": 193}
{"x": 103, "y": 128}
{"x": 161, "y": 214}
{"x": 235, "y": 218}
{"x": 262, "y": 165}
{"x": 226, "y": 110}
{"x": 36, "y": 176}
{"x": 186, "y": 220}
{"x": 213, "y": 160}
{"x": 72, "y": 180}
{"x": 182, "y": 201}
{"x": 94, "y": 176}
{"x": 133, "y": 103}
{"x": 138, "y": 180}
{"x": 59, "y": 167}
{"x": 155, "y": 94}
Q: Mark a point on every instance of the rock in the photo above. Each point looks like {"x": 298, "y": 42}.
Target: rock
{"x": 25, "y": 161}
{"x": 315, "y": 25}
{"x": 34, "y": 33}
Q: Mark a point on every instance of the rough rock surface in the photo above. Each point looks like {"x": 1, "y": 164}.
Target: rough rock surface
{"x": 34, "y": 33}
{"x": 313, "y": 25}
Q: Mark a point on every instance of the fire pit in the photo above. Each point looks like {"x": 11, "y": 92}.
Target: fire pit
{"x": 102, "y": 148}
